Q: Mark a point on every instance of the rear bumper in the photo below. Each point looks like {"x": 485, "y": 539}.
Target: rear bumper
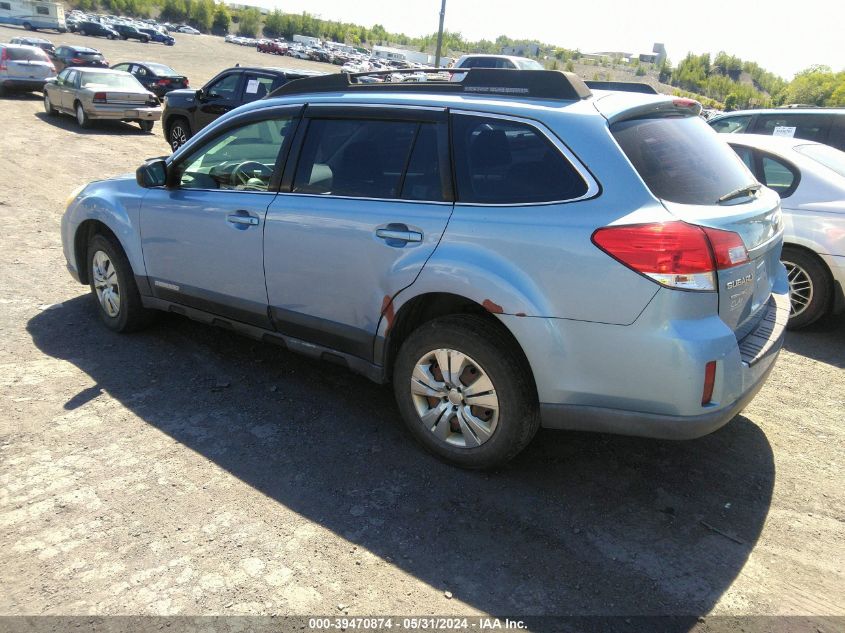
{"x": 647, "y": 378}
{"x": 28, "y": 85}
{"x": 123, "y": 114}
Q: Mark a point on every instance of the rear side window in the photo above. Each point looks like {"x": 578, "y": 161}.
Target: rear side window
{"x": 778, "y": 175}
{"x": 359, "y": 158}
{"x": 837, "y": 133}
{"x": 257, "y": 87}
{"x": 507, "y": 162}
{"x": 810, "y": 127}
{"x": 681, "y": 159}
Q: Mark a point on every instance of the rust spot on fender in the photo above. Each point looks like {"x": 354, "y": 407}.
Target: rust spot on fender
{"x": 495, "y": 308}
{"x": 388, "y": 312}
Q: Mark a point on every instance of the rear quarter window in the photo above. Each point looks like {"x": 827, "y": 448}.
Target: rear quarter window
{"x": 681, "y": 159}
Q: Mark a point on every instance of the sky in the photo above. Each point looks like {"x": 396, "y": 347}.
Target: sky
{"x": 783, "y": 36}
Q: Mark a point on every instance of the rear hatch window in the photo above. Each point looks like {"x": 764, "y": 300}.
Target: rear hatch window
{"x": 681, "y": 159}
{"x": 26, "y": 55}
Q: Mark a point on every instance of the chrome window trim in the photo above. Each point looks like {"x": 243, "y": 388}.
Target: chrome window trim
{"x": 593, "y": 187}
{"x": 370, "y": 199}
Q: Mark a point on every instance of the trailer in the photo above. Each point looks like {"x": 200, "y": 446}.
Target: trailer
{"x": 33, "y": 14}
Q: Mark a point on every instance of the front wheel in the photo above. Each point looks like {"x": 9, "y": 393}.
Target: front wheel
{"x": 465, "y": 391}
{"x": 179, "y": 134}
{"x": 146, "y": 126}
{"x": 48, "y": 106}
{"x": 113, "y": 286}
{"x": 810, "y": 289}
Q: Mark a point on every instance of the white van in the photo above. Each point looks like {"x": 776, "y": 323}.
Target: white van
{"x": 33, "y": 14}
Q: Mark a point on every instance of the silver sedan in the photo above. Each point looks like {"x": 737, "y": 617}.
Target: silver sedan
{"x": 100, "y": 93}
{"x": 810, "y": 178}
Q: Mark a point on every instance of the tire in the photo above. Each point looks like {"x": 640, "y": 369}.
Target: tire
{"x": 81, "y": 117}
{"x": 112, "y": 36}
{"x": 810, "y": 288}
{"x": 28, "y": 26}
{"x": 501, "y": 423}
{"x": 48, "y": 105}
{"x": 113, "y": 287}
{"x": 83, "y": 32}
{"x": 178, "y": 133}
{"x": 123, "y": 37}
{"x": 146, "y": 126}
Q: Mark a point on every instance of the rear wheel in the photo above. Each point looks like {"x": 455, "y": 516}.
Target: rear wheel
{"x": 28, "y": 26}
{"x": 113, "y": 286}
{"x": 82, "y": 117}
{"x": 810, "y": 289}
{"x": 465, "y": 392}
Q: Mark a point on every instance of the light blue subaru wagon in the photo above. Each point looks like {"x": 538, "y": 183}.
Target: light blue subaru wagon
{"x": 506, "y": 247}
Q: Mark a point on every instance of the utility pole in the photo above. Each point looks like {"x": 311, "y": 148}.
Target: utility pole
{"x": 440, "y": 35}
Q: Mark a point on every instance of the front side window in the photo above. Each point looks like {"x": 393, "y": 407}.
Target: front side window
{"x": 225, "y": 87}
{"x": 72, "y": 78}
{"x": 257, "y": 87}
{"x": 123, "y": 67}
{"x": 241, "y": 159}
{"x": 731, "y": 124}
{"x": 360, "y": 158}
{"x": 507, "y": 162}
{"x": 42, "y": 10}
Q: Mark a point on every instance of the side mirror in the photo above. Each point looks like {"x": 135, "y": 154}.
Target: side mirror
{"x": 151, "y": 174}
{"x": 200, "y": 94}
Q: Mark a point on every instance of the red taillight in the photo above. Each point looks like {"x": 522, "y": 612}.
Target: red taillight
{"x": 674, "y": 254}
{"x": 709, "y": 382}
{"x": 163, "y": 82}
{"x": 3, "y": 57}
{"x": 185, "y": 80}
{"x": 728, "y": 248}
{"x": 76, "y": 60}
{"x": 684, "y": 103}
{"x": 99, "y": 97}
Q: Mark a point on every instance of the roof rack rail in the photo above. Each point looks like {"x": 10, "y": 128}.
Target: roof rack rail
{"x": 622, "y": 86}
{"x": 532, "y": 84}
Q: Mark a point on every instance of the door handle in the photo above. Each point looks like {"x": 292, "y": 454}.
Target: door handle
{"x": 242, "y": 219}
{"x": 403, "y": 234}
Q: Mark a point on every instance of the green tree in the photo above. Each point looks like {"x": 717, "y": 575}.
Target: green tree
{"x": 203, "y": 15}
{"x": 250, "y": 21}
{"x": 222, "y": 20}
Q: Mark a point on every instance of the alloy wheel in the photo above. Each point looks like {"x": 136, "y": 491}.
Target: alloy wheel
{"x": 105, "y": 283}
{"x": 800, "y": 288}
{"x": 455, "y": 398}
{"x": 177, "y": 137}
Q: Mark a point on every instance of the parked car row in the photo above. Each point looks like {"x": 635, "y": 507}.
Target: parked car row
{"x": 114, "y": 27}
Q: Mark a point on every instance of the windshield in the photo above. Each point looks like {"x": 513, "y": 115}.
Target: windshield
{"x": 826, "y": 155}
{"x": 26, "y": 55}
{"x": 112, "y": 81}
{"x": 681, "y": 159}
{"x": 529, "y": 64}
{"x": 161, "y": 70}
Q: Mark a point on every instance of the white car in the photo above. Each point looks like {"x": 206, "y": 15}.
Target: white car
{"x": 810, "y": 178}
{"x": 189, "y": 30}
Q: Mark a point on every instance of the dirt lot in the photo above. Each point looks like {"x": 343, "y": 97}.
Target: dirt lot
{"x": 186, "y": 470}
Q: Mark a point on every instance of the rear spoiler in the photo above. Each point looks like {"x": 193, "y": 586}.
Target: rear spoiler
{"x": 616, "y": 108}
{"x": 622, "y": 86}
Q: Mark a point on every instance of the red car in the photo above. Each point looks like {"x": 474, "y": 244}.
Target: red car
{"x": 272, "y": 46}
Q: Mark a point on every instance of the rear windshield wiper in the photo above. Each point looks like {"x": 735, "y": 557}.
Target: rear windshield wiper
{"x": 742, "y": 191}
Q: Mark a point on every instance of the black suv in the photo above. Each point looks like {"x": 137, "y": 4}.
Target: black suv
{"x": 186, "y": 112}
{"x": 823, "y": 125}
{"x": 95, "y": 28}
{"x": 78, "y": 56}
{"x": 130, "y": 33}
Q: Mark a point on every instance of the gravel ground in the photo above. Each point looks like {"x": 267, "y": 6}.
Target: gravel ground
{"x": 186, "y": 470}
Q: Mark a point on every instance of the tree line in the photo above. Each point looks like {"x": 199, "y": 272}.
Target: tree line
{"x": 725, "y": 81}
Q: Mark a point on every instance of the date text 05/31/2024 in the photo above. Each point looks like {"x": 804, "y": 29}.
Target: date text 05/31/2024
{"x": 414, "y": 624}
